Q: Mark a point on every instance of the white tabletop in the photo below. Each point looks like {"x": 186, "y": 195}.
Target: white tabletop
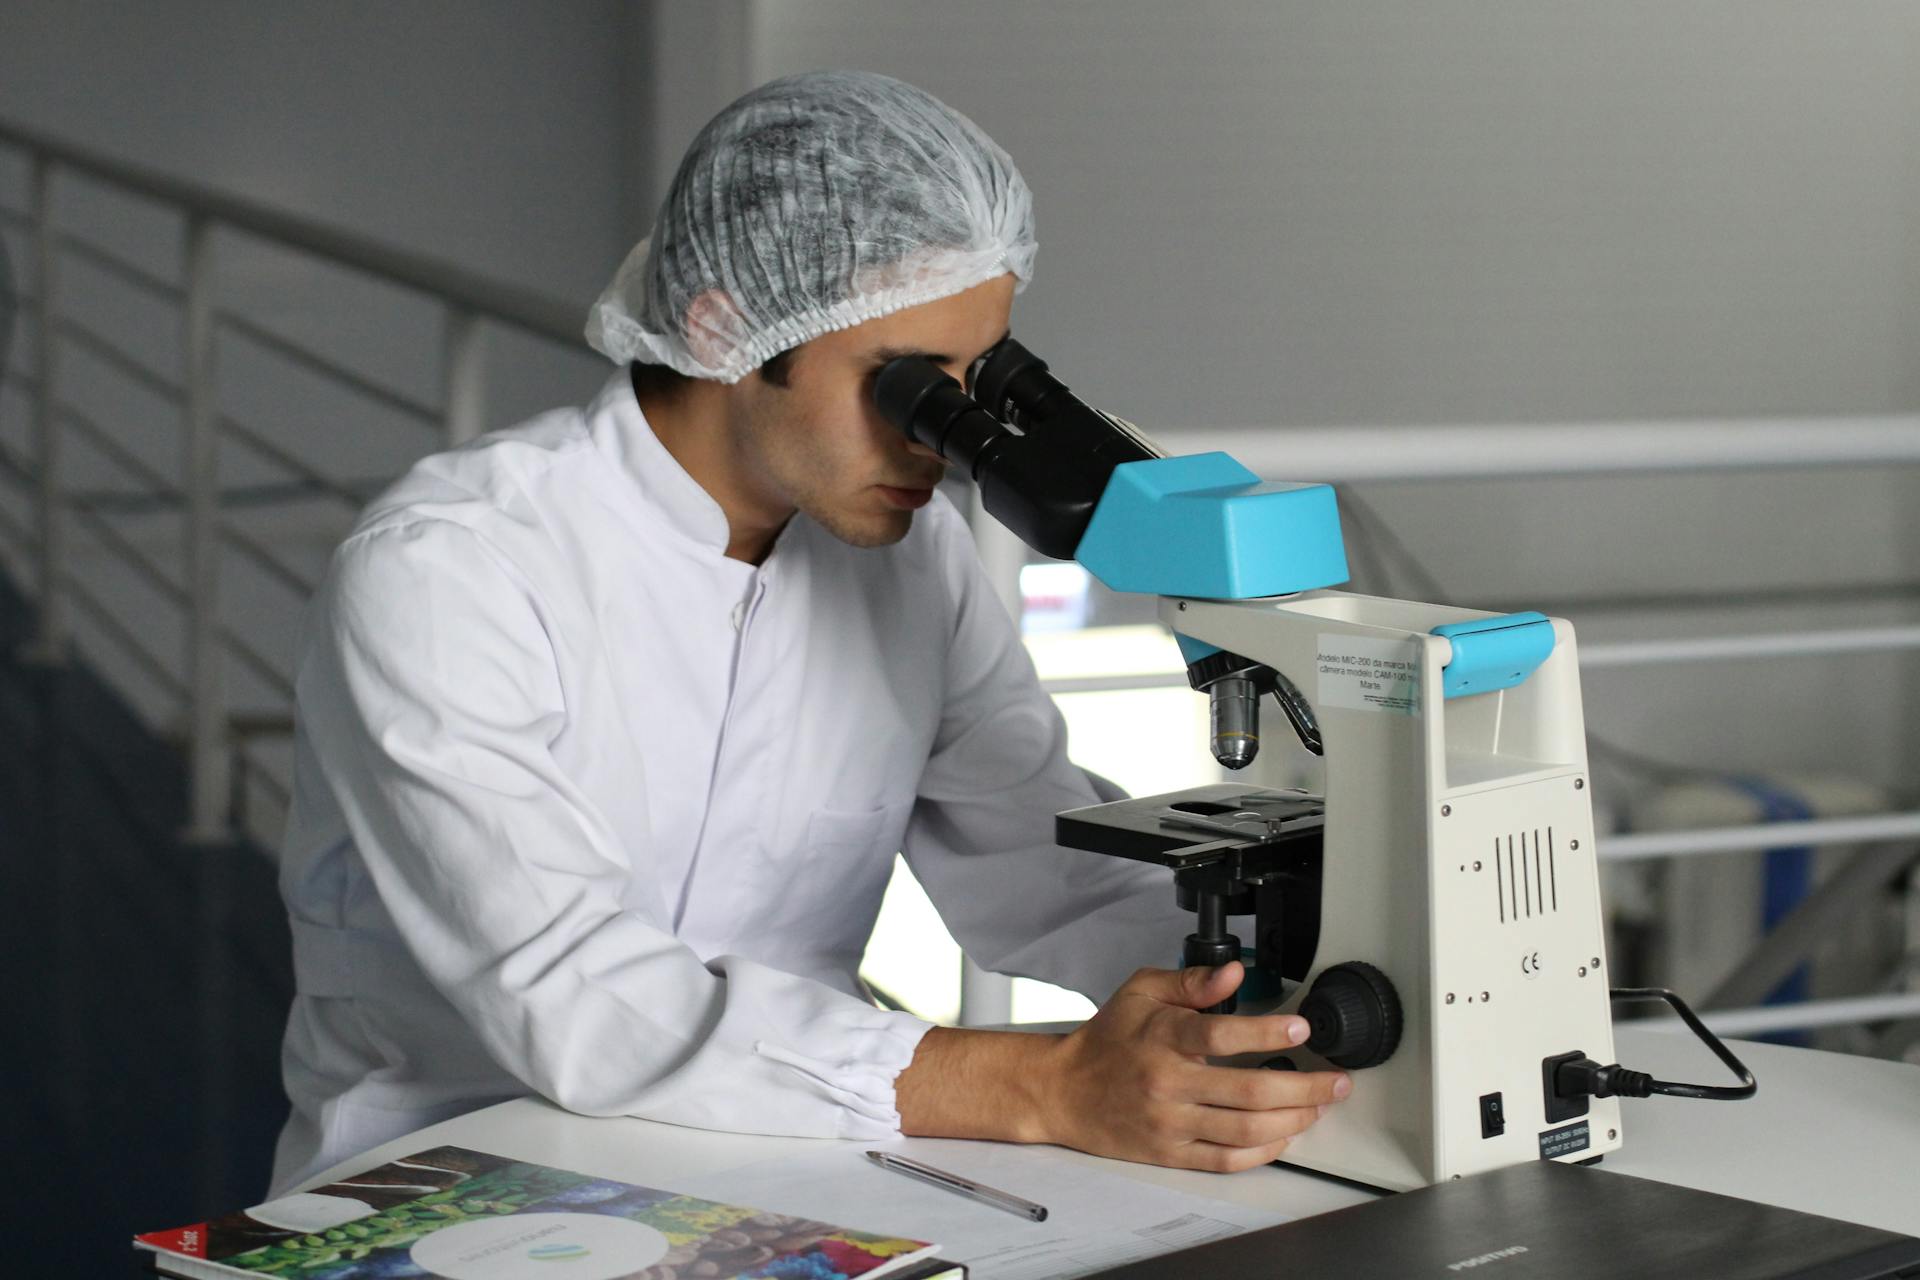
{"x": 1827, "y": 1134}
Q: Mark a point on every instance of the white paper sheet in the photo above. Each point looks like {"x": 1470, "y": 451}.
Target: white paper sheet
{"x": 1094, "y": 1219}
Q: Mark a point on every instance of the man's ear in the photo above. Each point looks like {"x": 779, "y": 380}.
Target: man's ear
{"x": 714, "y": 328}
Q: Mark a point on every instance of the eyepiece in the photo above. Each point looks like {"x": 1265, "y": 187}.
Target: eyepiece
{"x": 930, "y": 408}
{"x": 1010, "y": 381}
{"x": 901, "y": 386}
{"x": 1015, "y": 386}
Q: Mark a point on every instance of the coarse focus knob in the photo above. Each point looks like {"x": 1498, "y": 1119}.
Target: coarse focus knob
{"x": 1354, "y": 1016}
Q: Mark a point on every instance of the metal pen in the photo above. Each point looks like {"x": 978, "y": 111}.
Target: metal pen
{"x": 965, "y": 1186}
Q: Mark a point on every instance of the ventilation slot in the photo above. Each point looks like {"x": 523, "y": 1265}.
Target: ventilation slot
{"x": 1526, "y": 877}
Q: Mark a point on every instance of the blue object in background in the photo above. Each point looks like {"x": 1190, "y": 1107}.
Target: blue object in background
{"x": 1191, "y": 650}
{"x": 1205, "y": 526}
{"x": 148, "y": 989}
{"x": 1788, "y": 879}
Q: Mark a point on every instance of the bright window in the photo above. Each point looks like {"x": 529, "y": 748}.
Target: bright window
{"x": 1144, "y": 740}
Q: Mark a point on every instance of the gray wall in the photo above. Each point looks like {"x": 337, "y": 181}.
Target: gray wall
{"x": 1251, "y": 213}
{"x": 1392, "y": 212}
{"x": 487, "y": 132}
{"x": 1259, "y": 214}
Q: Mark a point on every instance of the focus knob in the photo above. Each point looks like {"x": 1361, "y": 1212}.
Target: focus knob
{"x": 1354, "y": 1016}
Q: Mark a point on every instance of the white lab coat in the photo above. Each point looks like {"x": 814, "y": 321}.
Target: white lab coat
{"x": 586, "y": 809}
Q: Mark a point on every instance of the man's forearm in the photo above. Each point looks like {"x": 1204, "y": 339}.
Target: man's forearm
{"x": 978, "y": 1084}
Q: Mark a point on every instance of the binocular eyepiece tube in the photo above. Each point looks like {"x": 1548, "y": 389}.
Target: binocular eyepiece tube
{"x": 1042, "y": 458}
{"x": 1040, "y": 455}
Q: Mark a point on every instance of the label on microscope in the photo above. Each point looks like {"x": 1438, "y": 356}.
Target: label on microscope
{"x": 1363, "y": 673}
{"x": 1555, "y": 1143}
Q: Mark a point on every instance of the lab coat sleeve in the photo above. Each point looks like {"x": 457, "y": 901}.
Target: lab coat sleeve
{"x": 981, "y": 837}
{"x": 432, "y": 696}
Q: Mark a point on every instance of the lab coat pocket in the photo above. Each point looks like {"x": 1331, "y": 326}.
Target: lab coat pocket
{"x": 847, "y": 828}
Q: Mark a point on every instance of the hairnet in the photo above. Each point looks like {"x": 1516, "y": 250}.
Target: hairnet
{"x": 814, "y": 203}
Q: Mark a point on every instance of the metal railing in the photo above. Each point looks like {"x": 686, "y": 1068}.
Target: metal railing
{"x": 1511, "y": 451}
{"x": 1903, "y": 825}
{"x": 470, "y": 304}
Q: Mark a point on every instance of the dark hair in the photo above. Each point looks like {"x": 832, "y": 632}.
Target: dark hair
{"x": 657, "y": 381}
{"x": 778, "y": 367}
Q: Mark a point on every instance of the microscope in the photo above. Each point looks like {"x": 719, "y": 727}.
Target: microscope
{"x": 1435, "y": 915}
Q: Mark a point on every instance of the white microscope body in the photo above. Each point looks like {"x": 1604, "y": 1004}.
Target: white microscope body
{"x": 1451, "y": 862}
{"x": 1459, "y": 861}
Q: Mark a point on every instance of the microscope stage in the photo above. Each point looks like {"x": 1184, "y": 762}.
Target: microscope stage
{"x": 1195, "y": 827}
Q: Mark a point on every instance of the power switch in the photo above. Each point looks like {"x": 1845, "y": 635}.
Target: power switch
{"x": 1493, "y": 1116}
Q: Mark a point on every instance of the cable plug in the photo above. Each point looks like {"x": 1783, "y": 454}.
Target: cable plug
{"x": 1584, "y": 1076}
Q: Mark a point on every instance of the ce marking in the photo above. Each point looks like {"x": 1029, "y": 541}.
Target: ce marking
{"x": 1530, "y": 964}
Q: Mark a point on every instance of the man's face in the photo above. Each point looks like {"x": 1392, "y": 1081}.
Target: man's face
{"x": 820, "y": 446}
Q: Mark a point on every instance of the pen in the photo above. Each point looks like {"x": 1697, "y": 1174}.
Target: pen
{"x": 965, "y": 1186}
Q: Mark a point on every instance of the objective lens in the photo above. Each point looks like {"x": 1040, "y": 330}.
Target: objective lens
{"x": 1235, "y": 702}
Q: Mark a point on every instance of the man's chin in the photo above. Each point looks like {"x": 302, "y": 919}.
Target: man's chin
{"x": 866, "y": 529}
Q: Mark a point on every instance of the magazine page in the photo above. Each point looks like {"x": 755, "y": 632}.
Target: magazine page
{"x": 470, "y": 1216}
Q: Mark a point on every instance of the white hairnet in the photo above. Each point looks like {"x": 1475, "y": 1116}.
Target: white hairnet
{"x": 814, "y": 203}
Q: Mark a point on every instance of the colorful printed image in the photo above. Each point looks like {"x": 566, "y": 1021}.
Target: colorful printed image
{"x": 434, "y": 1190}
{"x": 709, "y": 1239}
{"x": 395, "y": 1183}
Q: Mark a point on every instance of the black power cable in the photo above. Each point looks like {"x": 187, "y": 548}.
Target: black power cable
{"x": 1585, "y": 1076}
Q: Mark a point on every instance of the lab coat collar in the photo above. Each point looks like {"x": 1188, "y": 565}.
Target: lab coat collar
{"x": 620, "y": 430}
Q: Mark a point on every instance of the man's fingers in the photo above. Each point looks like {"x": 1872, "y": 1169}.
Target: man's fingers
{"x": 1216, "y": 1158}
{"x": 1196, "y": 988}
{"x": 1257, "y": 1089}
{"x": 1214, "y": 1036}
{"x": 1231, "y": 1128}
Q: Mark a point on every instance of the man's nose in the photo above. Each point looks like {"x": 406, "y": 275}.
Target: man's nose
{"x": 919, "y": 450}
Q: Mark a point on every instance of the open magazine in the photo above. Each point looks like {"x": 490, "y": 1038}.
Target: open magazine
{"x": 467, "y": 1215}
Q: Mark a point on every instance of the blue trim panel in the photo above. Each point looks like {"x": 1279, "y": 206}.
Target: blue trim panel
{"x": 1495, "y": 653}
{"x": 1205, "y": 526}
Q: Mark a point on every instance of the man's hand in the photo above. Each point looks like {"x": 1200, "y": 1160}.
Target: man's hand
{"x": 1133, "y": 1082}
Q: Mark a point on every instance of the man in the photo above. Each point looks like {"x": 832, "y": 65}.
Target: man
{"x": 611, "y": 723}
